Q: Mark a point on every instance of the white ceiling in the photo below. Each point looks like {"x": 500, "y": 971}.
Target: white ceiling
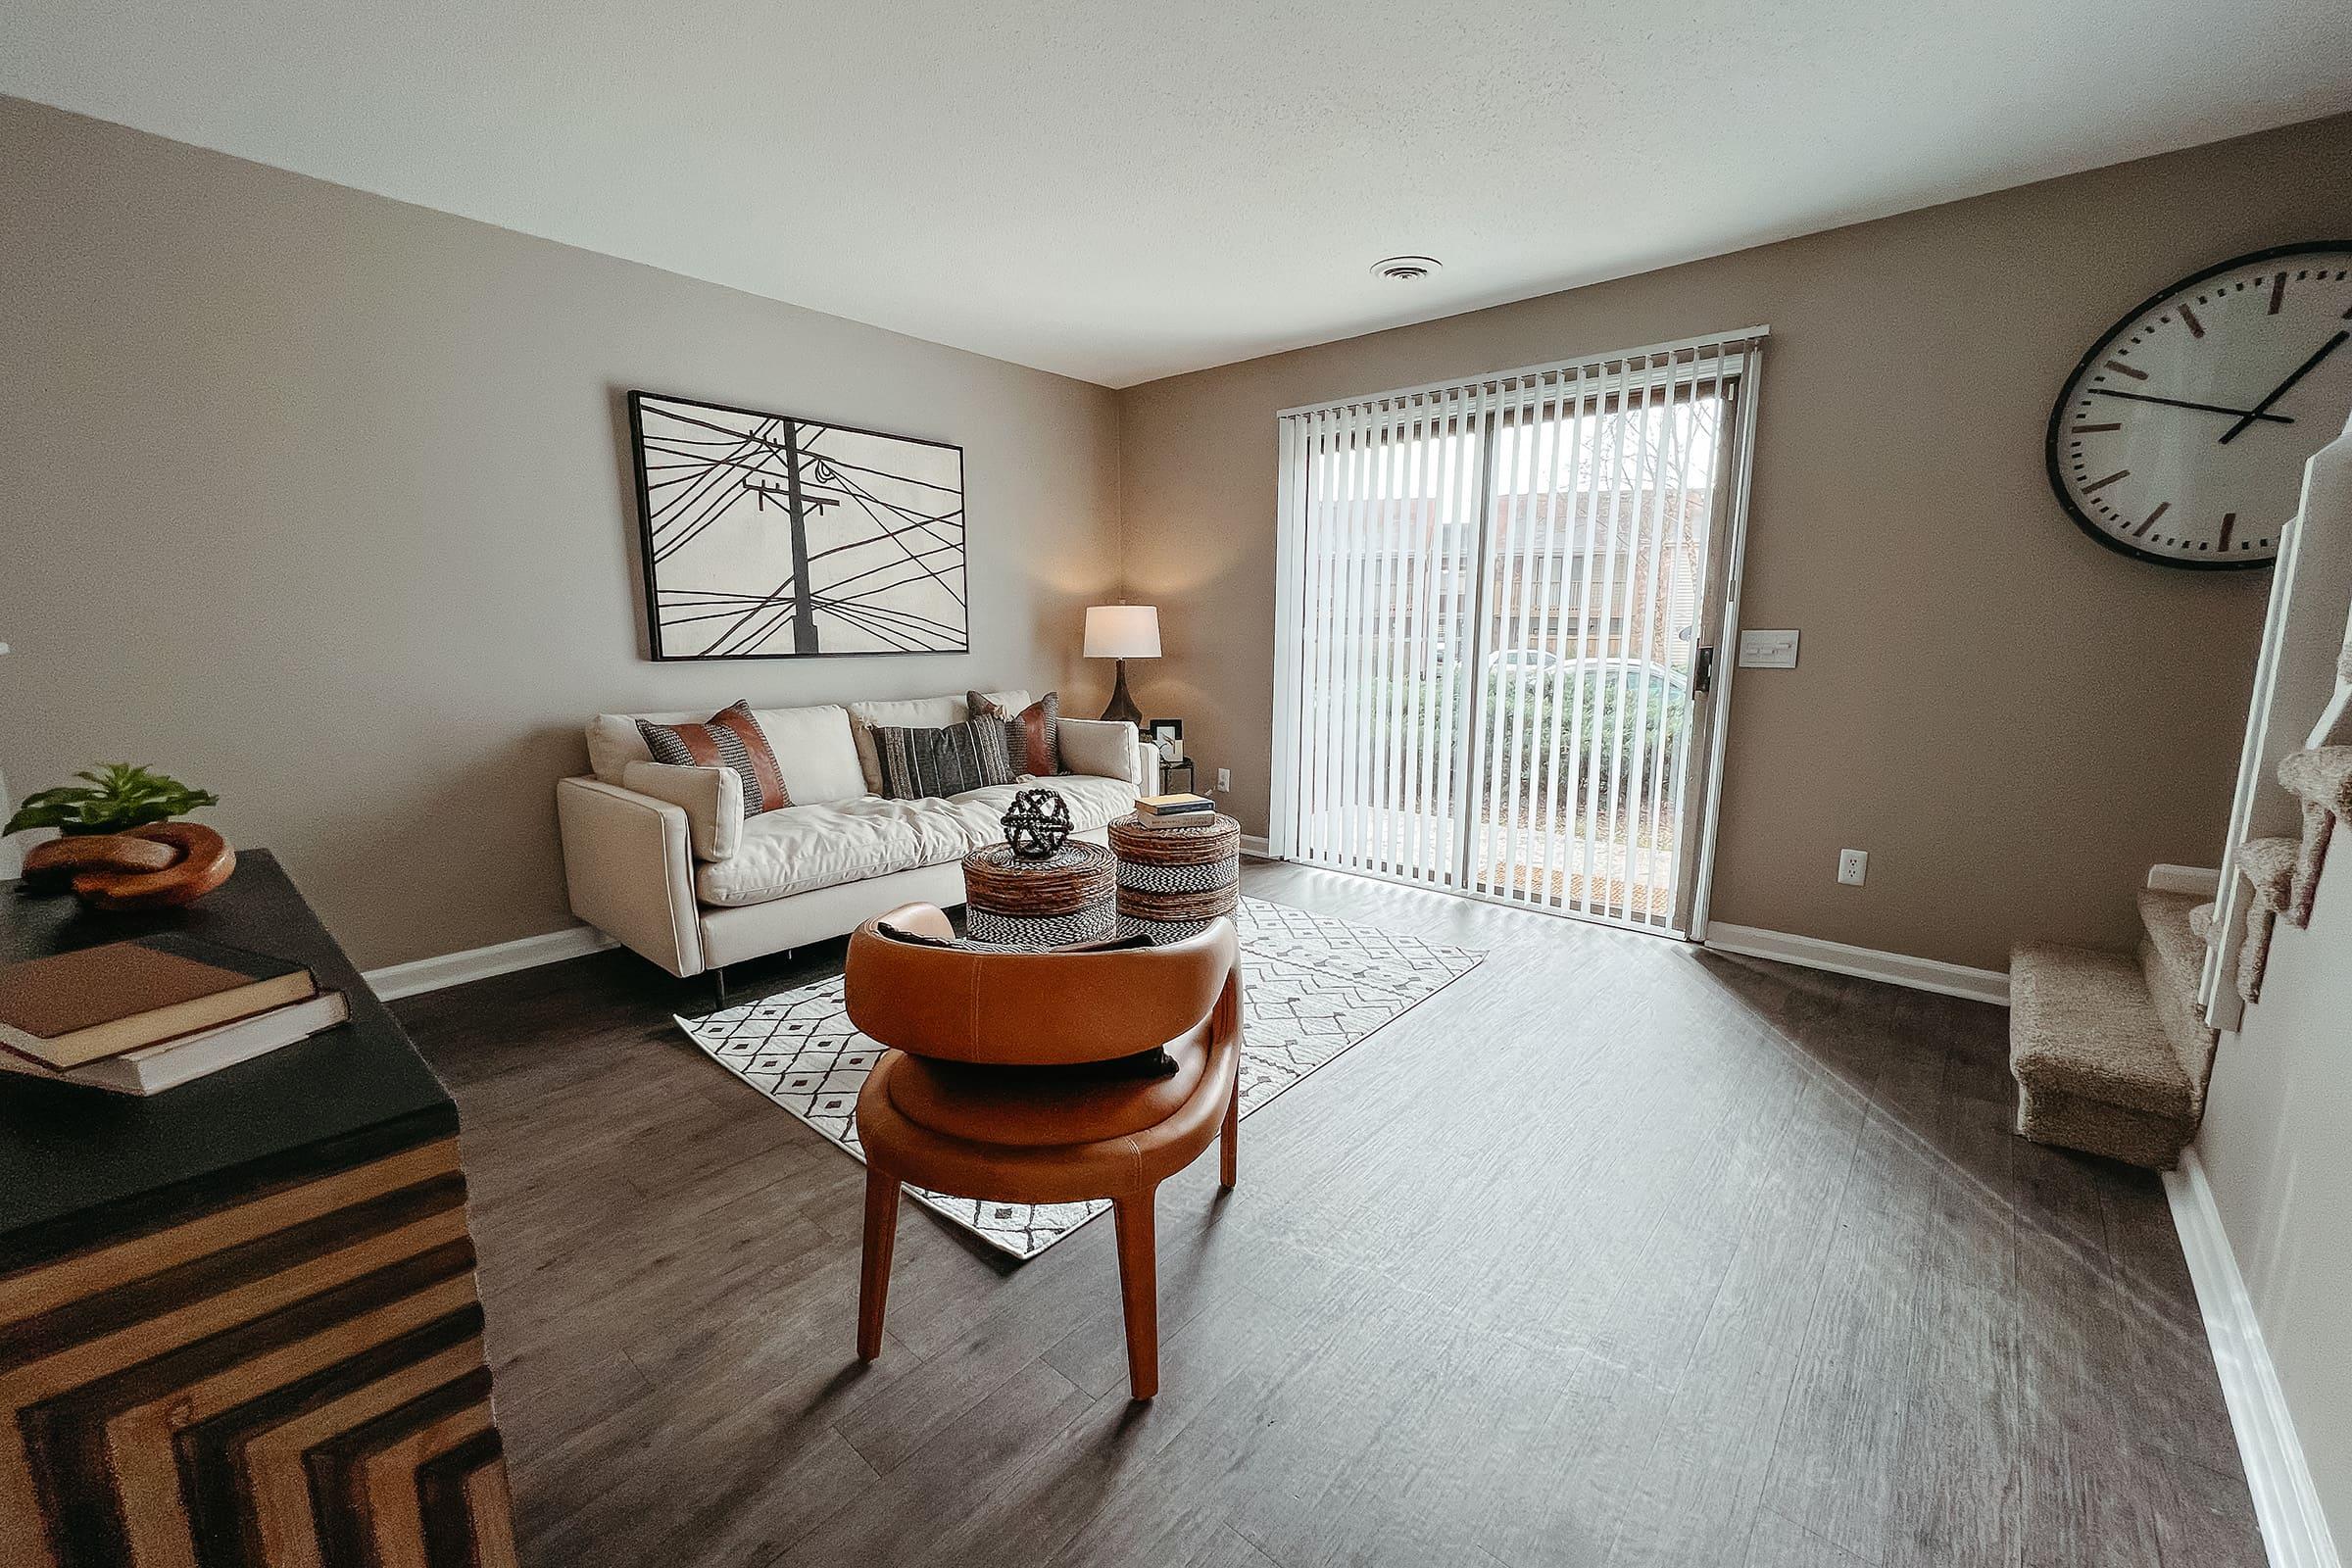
{"x": 1119, "y": 191}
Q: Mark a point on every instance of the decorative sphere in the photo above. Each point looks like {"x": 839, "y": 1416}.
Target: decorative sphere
{"x": 1038, "y": 824}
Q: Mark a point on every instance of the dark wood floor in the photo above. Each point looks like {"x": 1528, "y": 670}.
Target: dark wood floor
{"x": 1613, "y": 1252}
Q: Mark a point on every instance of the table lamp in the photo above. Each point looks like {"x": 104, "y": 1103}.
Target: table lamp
{"x": 1122, "y": 632}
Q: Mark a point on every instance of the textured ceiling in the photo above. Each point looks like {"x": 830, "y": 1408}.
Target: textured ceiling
{"x": 1121, "y": 191}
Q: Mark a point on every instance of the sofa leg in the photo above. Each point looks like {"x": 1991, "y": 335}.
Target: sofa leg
{"x": 718, "y": 986}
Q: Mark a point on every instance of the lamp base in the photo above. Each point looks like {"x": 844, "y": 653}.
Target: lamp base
{"x": 1122, "y": 706}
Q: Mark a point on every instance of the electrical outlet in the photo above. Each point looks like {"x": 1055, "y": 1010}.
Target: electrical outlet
{"x": 1224, "y": 778}
{"x": 1852, "y": 867}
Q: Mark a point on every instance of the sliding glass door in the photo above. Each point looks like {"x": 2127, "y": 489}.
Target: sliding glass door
{"x": 1499, "y": 607}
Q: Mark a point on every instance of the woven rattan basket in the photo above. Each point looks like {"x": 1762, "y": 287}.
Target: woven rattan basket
{"x": 1173, "y": 881}
{"x": 1009, "y": 901}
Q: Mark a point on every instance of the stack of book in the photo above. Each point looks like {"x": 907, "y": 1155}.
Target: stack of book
{"x": 1175, "y": 811}
{"x": 141, "y": 1016}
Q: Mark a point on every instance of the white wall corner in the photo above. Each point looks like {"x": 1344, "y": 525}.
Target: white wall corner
{"x": 480, "y": 964}
{"x": 2286, "y": 1504}
{"x": 1869, "y": 963}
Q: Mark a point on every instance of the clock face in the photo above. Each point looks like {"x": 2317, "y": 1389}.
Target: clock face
{"x": 2183, "y": 435}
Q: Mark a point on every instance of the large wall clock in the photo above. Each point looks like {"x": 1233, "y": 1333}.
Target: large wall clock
{"x": 2181, "y": 436}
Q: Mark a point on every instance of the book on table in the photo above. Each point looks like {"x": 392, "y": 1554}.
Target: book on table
{"x": 169, "y": 1063}
{"x": 68, "y": 1009}
{"x": 1193, "y": 820}
{"x": 1178, "y": 804}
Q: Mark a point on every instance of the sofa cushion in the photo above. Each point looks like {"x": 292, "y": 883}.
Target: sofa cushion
{"x": 1103, "y": 748}
{"x": 815, "y": 750}
{"x": 1094, "y": 803}
{"x": 812, "y": 748}
{"x": 710, "y": 796}
{"x": 806, "y": 847}
{"x": 915, "y": 712}
{"x": 803, "y": 848}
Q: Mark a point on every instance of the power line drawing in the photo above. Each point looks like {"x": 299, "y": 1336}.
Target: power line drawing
{"x": 766, "y": 536}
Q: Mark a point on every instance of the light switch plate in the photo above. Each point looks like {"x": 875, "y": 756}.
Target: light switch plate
{"x": 1768, "y": 650}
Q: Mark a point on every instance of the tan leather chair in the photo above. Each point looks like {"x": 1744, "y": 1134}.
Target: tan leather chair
{"x": 1001, "y": 1085}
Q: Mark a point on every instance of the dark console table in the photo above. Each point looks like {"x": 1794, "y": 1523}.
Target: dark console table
{"x": 237, "y": 1320}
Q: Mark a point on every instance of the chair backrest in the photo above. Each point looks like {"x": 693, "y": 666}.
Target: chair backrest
{"x": 1031, "y": 1009}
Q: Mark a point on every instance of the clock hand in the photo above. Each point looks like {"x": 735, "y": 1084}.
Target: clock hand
{"x": 2292, "y": 377}
{"x": 2180, "y": 403}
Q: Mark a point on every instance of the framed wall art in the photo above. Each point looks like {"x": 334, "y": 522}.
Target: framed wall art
{"x": 766, "y": 536}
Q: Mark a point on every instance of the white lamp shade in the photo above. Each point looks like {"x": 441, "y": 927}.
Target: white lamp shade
{"x": 1122, "y": 631}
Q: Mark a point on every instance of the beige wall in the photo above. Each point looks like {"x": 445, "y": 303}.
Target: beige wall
{"x": 2272, "y": 1145}
{"x": 322, "y": 501}
{"x": 2014, "y": 721}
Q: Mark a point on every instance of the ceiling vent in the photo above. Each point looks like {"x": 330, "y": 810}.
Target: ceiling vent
{"x": 1405, "y": 268}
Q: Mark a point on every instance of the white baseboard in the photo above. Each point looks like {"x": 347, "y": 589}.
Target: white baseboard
{"x": 2286, "y": 1505}
{"x": 2197, "y": 881}
{"x": 480, "y": 964}
{"x": 1256, "y": 844}
{"x": 1895, "y": 968}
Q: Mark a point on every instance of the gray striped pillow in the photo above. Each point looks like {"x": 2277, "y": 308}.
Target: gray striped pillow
{"x": 920, "y": 763}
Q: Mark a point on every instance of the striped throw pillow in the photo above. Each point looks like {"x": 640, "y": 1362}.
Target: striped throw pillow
{"x": 731, "y": 739}
{"x": 1033, "y": 735}
{"x": 920, "y": 763}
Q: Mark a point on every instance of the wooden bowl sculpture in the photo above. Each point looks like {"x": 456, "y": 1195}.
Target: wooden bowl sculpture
{"x": 154, "y": 867}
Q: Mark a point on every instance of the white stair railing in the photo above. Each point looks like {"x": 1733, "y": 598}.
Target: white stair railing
{"x": 2301, "y": 697}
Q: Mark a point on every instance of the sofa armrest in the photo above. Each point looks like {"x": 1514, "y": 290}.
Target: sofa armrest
{"x": 629, "y": 869}
{"x": 1106, "y": 749}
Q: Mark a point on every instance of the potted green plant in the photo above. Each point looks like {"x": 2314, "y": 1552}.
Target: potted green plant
{"x": 112, "y": 797}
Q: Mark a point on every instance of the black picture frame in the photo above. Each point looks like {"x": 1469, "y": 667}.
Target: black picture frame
{"x": 1172, "y": 727}
{"x": 785, "y": 470}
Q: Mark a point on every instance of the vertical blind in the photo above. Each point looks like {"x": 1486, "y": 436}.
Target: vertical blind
{"x": 1488, "y": 608}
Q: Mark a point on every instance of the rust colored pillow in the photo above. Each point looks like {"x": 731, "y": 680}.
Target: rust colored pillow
{"x": 1032, "y": 735}
{"x": 731, "y": 739}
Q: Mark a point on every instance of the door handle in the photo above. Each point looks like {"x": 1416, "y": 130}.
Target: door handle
{"x": 1703, "y": 678}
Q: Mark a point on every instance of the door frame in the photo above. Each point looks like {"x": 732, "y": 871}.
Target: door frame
{"x": 1693, "y": 892}
{"x": 1695, "y": 864}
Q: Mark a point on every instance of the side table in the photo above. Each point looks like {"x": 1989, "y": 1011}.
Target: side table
{"x": 1066, "y": 897}
{"x": 1175, "y": 880}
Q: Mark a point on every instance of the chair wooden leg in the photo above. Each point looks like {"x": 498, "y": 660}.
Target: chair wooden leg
{"x": 1229, "y": 1154}
{"x": 873, "y": 1271}
{"x": 1139, "y": 1290}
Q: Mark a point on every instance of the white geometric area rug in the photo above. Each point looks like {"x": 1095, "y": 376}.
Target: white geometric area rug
{"x": 1311, "y": 987}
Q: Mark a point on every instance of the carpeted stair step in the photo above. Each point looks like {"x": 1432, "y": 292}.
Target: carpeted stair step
{"x": 2172, "y": 962}
{"x": 2200, "y": 922}
{"x": 2268, "y": 867}
{"x": 2095, "y": 1068}
{"x": 2321, "y": 779}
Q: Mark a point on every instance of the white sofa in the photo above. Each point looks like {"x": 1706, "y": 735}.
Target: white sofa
{"x": 665, "y": 861}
